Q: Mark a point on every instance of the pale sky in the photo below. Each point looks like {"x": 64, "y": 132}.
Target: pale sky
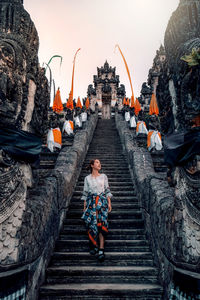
{"x": 96, "y": 26}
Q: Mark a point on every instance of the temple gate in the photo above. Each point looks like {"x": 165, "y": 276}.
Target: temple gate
{"x": 106, "y": 91}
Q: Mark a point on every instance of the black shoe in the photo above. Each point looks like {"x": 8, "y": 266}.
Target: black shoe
{"x": 94, "y": 251}
{"x": 101, "y": 255}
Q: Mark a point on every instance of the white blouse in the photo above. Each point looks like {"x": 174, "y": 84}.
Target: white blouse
{"x": 96, "y": 185}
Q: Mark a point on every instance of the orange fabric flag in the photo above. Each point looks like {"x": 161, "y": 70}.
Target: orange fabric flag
{"x": 57, "y": 103}
{"x": 153, "y": 107}
{"x": 138, "y": 125}
{"x": 137, "y": 107}
{"x": 149, "y": 138}
{"x": 70, "y": 100}
{"x": 87, "y": 103}
{"x": 132, "y": 102}
{"x": 127, "y": 102}
{"x": 127, "y": 69}
{"x": 70, "y": 103}
{"x": 78, "y": 104}
{"x": 57, "y": 136}
{"x": 124, "y": 101}
{"x": 72, "y": 125}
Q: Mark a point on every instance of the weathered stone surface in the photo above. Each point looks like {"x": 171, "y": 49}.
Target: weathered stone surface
{"x": 24, "y": 100}
{"x": 29, "y": 234}
{"x": 182, "y": 35}
{"x": 24, "y": 91}
{"x": 171, "y": 218}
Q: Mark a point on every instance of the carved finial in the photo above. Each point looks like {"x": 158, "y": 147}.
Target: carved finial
{"x": 106, "y": 65}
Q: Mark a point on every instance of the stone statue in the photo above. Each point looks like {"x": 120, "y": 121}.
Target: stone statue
{"x": 182, "y": 35}
{"x": 178, "y": 237}
{"x": 24, "y": 102}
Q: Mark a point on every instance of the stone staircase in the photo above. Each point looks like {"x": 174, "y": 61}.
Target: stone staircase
{"x": 128, "y": 271}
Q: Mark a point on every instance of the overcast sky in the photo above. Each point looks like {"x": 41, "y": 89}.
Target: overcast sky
{"x": 96, "y": 26}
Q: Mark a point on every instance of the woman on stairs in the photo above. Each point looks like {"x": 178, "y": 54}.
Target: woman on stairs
{"x": 97, "y": 205}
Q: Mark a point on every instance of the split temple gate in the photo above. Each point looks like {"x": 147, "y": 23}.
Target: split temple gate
{"x": 106, "y": 91}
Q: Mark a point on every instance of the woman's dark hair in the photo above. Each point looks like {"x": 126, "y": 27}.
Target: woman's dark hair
{"x": 89, "y": 167}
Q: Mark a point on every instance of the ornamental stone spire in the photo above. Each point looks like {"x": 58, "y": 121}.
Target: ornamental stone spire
{"x": 15, "y": 22}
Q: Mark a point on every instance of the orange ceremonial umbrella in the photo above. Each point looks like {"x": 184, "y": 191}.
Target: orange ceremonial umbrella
{"x": 57, "y": 103}
{"x": 87, "y": 103}
{"x": 137, "y": 107}
{"x": 78, "y": 104}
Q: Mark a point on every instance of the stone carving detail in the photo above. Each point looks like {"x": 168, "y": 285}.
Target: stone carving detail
{"x": 106, "y": 88}
{"x": 121, "y": 92}
{"x": 91, "y": 91}
{"x": 182, "y": 35}
{"x": 23, "y": 85}
{"x": 24, "y": 101}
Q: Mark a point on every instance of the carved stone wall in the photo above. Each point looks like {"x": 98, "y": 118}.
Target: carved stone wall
{"x": 30, "y": 231}
{"x": 24, "y": 101}
{"x": 172, "y": 220}
{"x": 23, "y": 85}
{"x": 172, "y": 216}
{"x": 182, "y": 35}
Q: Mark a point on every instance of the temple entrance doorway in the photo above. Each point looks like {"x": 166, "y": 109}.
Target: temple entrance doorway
{"x": 106, "y": 106}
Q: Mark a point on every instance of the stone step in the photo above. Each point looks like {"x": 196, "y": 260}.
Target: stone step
{"x": 115, "y": 205}
{"x": 100, "y": 291}
{"x": 108, "y": 168}
{"x": 111, "y": 179}
{"x": 160, "y": 169}
{"x": 112, "y": 259}
{"x": 111, "y": 173}
{"x": 126, "y": 185}
{"x": 115, "y": 160}
{"x": 114, "y": 215}
{"x": 106, "y": 149}
{"x": 110, "y": 245}
{"x": 67, "y": 247}
{"x": 113, "y": 190}
{"x": 115, "y": 199}
{"x": 111, "y": 164}
{"x": 115, "y": 193}
{"x": 139, "y": 225}
{"x": 114, "y": 176}
{"x": 101, "y": 274}
{"x": 112, "y": 232}
{"x": 105, "y": 155}
{"x": 114, "y": 223}
{"x": 83, "y": 236}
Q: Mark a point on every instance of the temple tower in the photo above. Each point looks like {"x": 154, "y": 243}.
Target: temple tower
{"x": 106, "y": 91}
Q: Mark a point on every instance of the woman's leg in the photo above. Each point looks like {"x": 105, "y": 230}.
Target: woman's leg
{"x": 101, "y": 241}
{"x": 101, "y": 256}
